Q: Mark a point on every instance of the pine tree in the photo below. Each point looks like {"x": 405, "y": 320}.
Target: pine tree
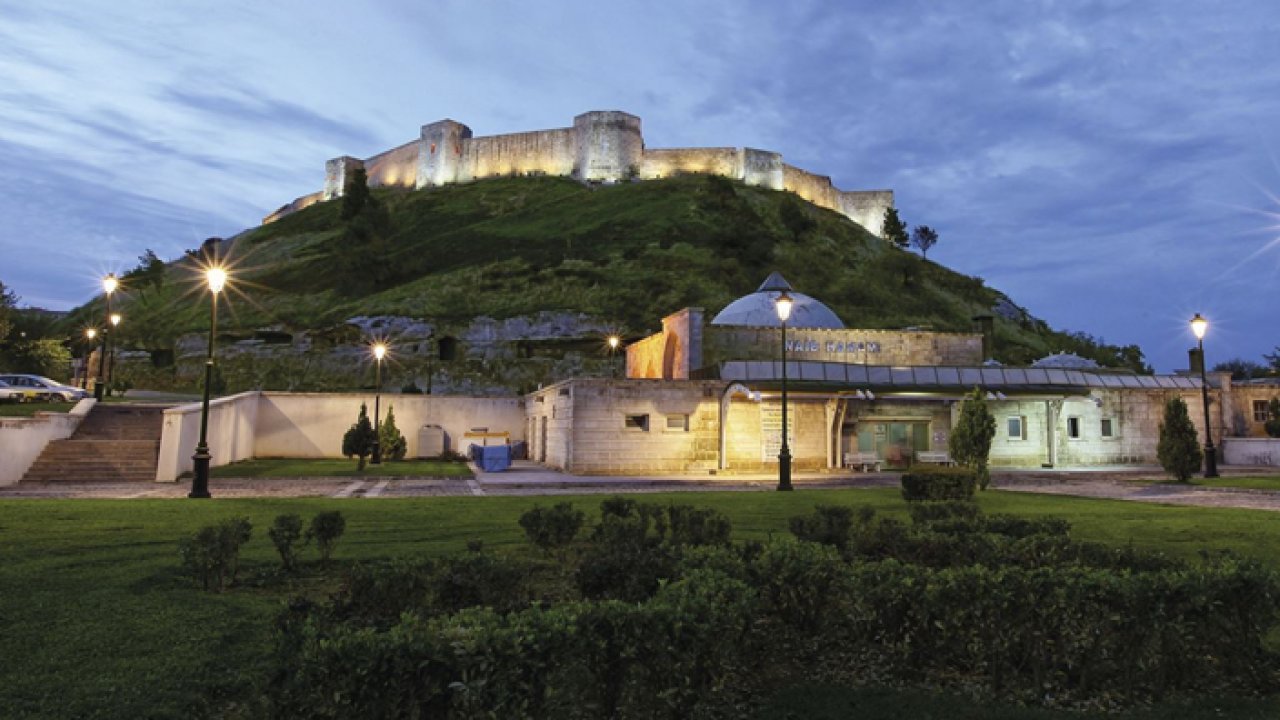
{"x": 970, "y": 441}
{"x": 358, "y": 440}
{"x": 355, "y": 194}
{"x": 390, "y": 441}
{"x": 894, "y": 230}
{"x": 1179, "y": 446}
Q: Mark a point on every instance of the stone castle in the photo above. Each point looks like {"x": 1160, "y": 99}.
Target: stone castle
{"x": 601, "y": 147}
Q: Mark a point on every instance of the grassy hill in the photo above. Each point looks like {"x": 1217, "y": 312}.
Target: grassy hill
{"x": 624, "y": 254}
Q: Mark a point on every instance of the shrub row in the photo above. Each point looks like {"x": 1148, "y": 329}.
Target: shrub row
{"x": 928, "y": 482}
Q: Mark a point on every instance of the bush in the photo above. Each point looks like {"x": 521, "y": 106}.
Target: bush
{"x": 325, "y": 529}
{"x": 391, "y": 444}
{"x": 285, "y": 533}
{"x": 926, "y": 512}
{"x": 921, "y": 483}
{"x": 212, "y": 554}
{"x": 1179, "y": 445}
{"x": 1272, "y": 425}
{"x": 828, "y": 525}
{"x": 478, "y": 579}
{"x": 358, "y": 440}
{"x": 551, "y": 528}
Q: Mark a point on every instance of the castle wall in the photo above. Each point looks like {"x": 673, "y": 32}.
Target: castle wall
{"x": 676, "y": 161}
{"x": 397, "y": 167}
{"x": 303, "y": 202}
{"x": 546, "y": 152}
{"x": 817, "y": 189}
{"x": 602, "y": 146}
{"x": 721, "y": 343}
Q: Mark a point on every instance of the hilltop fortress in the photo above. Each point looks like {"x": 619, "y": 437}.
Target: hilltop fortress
{"x": 601, "y": 147}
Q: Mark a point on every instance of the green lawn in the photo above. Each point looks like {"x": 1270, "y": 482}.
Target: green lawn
{"x": 30, "y": 409}
{"x": 294, "y": 467}
{"x": 1251, "y": 483}
{"x": 96, "y": 619}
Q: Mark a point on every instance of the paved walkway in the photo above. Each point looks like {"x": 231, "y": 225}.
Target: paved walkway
{"x": 1139, "y": 484}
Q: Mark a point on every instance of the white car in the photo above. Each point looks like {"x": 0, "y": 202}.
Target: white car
{"x": 8, "y": 393}
{"x": 42, "y": 388}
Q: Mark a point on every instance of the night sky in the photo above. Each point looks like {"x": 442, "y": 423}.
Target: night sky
{"x": 1112, "y": 166}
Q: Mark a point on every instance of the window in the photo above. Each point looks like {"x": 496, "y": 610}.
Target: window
{"x": 678, "y": 423}
{"x": 1108, "y": 428}
{"x": 448, "y": 348}
{"x": 637, "y": 422}
{"x": 1259, "y": 410}
{"x": 1017, "y": 427}
{"x": 1073, "y": 428}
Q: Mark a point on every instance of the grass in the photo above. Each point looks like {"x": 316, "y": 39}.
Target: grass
{"x": 1250, "y": 483}
{"x": 97, "y": 620}
{"x": 30, "y": 409}
{"x": 294, "y": 467}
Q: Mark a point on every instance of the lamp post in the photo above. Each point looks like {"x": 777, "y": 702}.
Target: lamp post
{"x": 89, "y": 335}
{"x": 109, "y": 285}
{"x": 1198, "y": 326}
{"x": 614, "y": 341}
{"x": 783, "y": 305}
{"x": 111, "y": 348}
{"x": 216, "y": 278}
{"x": 379, "y": 352}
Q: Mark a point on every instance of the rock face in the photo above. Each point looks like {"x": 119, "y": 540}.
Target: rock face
{"x": 483, "y": 357}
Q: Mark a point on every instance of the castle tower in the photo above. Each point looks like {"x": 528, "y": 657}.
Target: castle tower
{"x": 336, "y": 173}
{"x": 609, "y": 145}
{"x": 440, "y": 152}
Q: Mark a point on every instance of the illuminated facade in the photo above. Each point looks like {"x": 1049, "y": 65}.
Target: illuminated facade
{"x": 601, "y": 146}
{"x": 704, "y": 396}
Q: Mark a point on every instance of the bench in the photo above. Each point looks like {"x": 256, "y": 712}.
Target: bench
{"x": 865, "y": 460}
{"x": 935, "y": 457}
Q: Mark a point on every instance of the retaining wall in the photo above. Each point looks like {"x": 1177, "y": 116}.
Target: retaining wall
{"x": 1251, "y": 451}
{"x": 23, "y": 439}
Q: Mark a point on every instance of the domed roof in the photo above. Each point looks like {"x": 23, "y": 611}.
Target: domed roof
{"x": 757, "y": 309}
{"x": 1066, "y": 361}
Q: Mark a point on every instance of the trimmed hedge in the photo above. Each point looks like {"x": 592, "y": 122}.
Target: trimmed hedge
{"x": 932, "y": 483}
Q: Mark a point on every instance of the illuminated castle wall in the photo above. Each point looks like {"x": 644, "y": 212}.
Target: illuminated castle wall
{"x": 602, "y": 146}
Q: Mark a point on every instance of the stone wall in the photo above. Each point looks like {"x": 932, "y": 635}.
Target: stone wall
{"x": 544, "y": 152}
{"x": 873, "y": 347}
{"x": 677, "y": 161}
{"x": 305, "y": 201}
{"x": 1241, "y": 421}
{"x": 602, "y": 146}
{"x": 644, "y": 357}
{"x": 397, "y": 167}
{"x": 549, "y": 414}
{"x": 22, "y": 439}
{"x": 1251, "y": 451}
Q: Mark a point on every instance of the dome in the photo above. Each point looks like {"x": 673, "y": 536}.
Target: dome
{"x": 757, "y": 309}
{"x": 1065, "y": 361}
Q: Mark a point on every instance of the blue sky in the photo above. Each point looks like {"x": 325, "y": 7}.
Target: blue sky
{"x": 1112, "y": 166}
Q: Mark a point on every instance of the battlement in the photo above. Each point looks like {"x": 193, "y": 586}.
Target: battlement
{"x": 602, "y": 146}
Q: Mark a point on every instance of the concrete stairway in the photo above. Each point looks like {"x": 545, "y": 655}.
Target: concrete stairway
{"x": 115, "y": 443}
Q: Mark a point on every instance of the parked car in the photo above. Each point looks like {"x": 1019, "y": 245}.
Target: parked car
{"x": 11, "y": 394}
{"x": 43, "y": 388}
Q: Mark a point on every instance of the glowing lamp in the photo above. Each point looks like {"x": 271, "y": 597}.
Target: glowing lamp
{"x": 783, "y": 305}
{"x": 613, "y": 342}
{"x": 115, "y": 319}
{"x": 110, "y": 283}
{"x": 217, "y": 279}
{"x": 1198, "y": 326}
{"x": 90, "y": 333}
{"x": 379, "y": 350}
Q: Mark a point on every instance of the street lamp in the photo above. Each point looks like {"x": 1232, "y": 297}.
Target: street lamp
{"x": 216, "y": 278}
{"x": 614, "y": 341}
{"x": 783, "y": 305}
{"x": 89, "y": 335}
{"x": 1198, "y": 326}
{"x": 379, "y": 352}
{"x": 111, "y": 348}
{"x": 109, "y": 285}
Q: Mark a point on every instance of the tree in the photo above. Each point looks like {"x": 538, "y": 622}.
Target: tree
{"x": 325, "y": 529}
{"x": 8, "y": 301}
{"x": 894, "y": 230}
{"x": 1272, "y": 425}
{"x": 355, "y": 194}
{"x": 44, "y": 356}
{"x": 1241, "y": 369}
{"x": 924, "y": 237}
{"x": 1273, "y": 360}
{"x": 358, "y": 440}
{"x": 149, "y": 272}
{"x": 970, "y": 442}
{"x": 1179, "y": 446}
{"x": 390, "y": 441}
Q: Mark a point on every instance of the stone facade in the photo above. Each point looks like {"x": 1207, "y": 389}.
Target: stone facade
{"x": 601, "y": 146}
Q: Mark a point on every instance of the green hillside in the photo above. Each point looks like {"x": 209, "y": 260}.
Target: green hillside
{"x": 624, "y": 254}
